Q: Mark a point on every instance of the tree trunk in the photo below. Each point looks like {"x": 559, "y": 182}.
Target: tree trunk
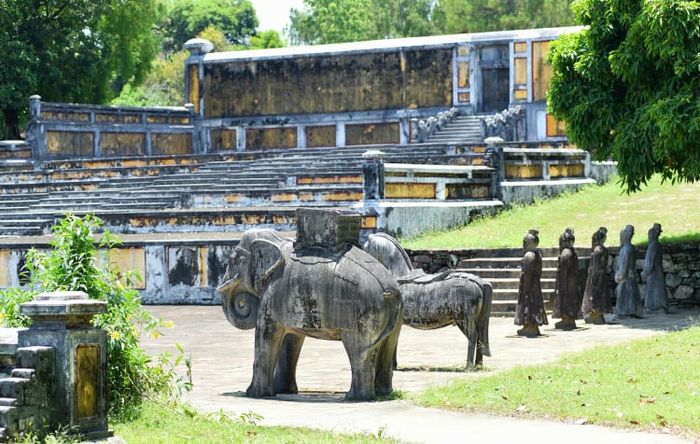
{"x": 11, "y": 124}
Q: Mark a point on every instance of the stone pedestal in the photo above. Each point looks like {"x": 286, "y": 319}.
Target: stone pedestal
{"x": 63, "y": 321}
{"x": 373, "y": 175}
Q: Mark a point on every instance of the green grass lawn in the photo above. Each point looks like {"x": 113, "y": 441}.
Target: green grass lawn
{"x": 675, "y": 207}
{"x": 645, "y": 384}
{"x": 179, "y": 423}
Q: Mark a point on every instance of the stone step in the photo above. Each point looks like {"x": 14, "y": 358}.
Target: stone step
{"x": 503, "y": 262}
{"x": 7, "y": 416}
{"x": 490, "y": 273}
{"x": 512, "y": 294}
{"x": 514, "y": 283}
{"x": 8, "y": 402}
{"x": 13, "y": 388}
{"x": 3, "y": 436}
{"x": 506, "y": 308}
{"x": 24, "y": 373}
{"x": 16, "y": 230}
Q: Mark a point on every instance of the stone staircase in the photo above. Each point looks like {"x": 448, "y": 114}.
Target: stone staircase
{"x": 504, "y": 275}
{"x": 129, "y": 191}
{"x": 24, "y": 393}
{"x": 463, "y": 129}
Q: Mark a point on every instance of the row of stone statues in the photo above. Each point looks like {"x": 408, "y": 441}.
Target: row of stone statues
{"x": 569, "y": 304}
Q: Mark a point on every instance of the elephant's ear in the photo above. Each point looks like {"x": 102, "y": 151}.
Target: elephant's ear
{"x": 266, "y": 258}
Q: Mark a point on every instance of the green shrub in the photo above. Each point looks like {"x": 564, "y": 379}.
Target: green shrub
{"x": 77, "y": 263}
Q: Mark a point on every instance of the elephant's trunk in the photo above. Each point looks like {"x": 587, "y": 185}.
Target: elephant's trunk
{"x": 240, "y": 307}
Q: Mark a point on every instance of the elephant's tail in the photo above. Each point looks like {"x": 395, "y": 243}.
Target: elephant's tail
{"x": 482, "y": 325}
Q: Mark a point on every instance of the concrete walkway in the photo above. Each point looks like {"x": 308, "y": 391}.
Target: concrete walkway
{"x": 222, "y": 359}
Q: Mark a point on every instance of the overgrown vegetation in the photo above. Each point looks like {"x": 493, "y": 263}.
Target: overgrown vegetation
{"x": 675, "y": 207}
{"x": 628, "y": 86}
{"x": 76, "y": 263}
{"x": 644, "y": 384}
{"x": 177, "y": 423}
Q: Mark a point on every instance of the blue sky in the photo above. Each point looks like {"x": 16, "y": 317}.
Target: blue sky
{"x": 274, "y": 14}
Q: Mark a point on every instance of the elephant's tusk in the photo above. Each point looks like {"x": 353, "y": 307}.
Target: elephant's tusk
{"x": 229, "y": 284}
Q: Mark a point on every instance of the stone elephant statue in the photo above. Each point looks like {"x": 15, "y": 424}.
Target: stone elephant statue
{"x": 287, "y": 294}
{"x": 433, "y": 301}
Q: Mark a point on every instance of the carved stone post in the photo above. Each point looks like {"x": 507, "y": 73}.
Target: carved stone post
{"x": 373, "y": 175}
{"x": 493, "y": 157}
{"x": 35, "y": 132}
{"x": 63, "y": 321}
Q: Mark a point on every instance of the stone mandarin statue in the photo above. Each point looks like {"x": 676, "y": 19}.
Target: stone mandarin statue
{"x": 629, "y": 302}
{"x": 567, "y": 304}
{"x": 596, "y": 296}
{"x": 653, "y": 272}
{"x": 530, "y": 310}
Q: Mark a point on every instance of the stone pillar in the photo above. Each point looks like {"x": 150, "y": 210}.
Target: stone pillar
{"x": 63, "y": 321}
{"x": 200, "y": 141}
{"x": 373, "y": 175}
{"x": 35, "y": 107}
{"x": 493, "y": 157}
{"x": 197, "y": 48}
{"x": 35, "y": 131}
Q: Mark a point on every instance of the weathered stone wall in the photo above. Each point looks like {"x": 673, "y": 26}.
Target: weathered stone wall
{"x": 329, "y": 84}
{"x": 681, "y": 264}
{"x": 65, "y": 131}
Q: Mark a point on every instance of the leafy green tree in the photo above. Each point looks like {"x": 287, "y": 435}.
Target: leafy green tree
{"x": 165, "y": 84}
{"x": 186, "y": 19}
{"x": 71, "y": 50}
{"x": 331, "y": 21}
{"x": 628, "y": 87}
{"x": 457, "y": 16}
{"x": 267, "y": 39}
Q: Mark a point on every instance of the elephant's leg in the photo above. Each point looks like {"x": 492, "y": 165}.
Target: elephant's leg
{"x": 386, "y": 362}
{"x": 268, "y": 340}
{"x": 473, "y": 353}
{"x": 363, "y": 363}
{"x": 286, "y": 372}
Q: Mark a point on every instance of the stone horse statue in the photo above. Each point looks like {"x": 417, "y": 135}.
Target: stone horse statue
{"x": 433, "y": 301}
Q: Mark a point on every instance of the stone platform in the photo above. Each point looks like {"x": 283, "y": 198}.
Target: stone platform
{"x": 222, "y": 359}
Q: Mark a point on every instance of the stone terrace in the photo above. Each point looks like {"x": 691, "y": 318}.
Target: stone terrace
{"x": 173, "y": 193}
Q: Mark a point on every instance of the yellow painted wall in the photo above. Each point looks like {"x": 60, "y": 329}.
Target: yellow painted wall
{"x": 329, "y": 84}
{"x": 541, "y": 70}
{"x": 409, "y": 191}
{"x": 164, "y": 143}
{"x": 262, "y": 138}
{"x": 223, "y": 138}
{"x": 70, "y": 142}
{"x": 122, "y": 144}
{"x": 372, "y": 133}
{"x": 523, "y": 171}
{"x": 320, "y": 136}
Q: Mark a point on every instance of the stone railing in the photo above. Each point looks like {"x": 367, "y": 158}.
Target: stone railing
{"x": 65, "y": 131}
{"x": 509, "y": 124}
{"x": 423, "y": 182}
{"x": 425, "y": 128}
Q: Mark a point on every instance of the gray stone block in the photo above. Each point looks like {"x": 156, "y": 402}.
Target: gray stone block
{"x": 38, "y": 358}
{"x": 683, "y": 292}
{"x": 673, "y": 280}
